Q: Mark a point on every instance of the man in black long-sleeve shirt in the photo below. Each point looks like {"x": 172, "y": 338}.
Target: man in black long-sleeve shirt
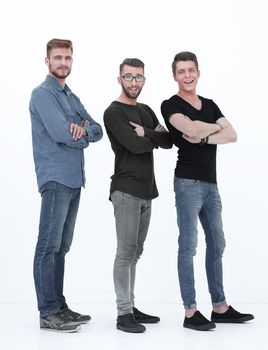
{"x": 134, "y": 131}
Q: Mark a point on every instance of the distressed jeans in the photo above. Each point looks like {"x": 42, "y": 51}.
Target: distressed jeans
{"x": 57, "y": 220}
{"x": 132, "y": 217}
{"x": 199, "y": 200}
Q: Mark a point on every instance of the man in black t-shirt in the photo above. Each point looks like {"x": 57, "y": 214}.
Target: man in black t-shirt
{"x": 197, "y": 125}
{"x": 134, "y": 131}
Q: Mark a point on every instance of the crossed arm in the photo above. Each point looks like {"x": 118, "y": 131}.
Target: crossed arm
{"x": 45, "y": 105}
{"x": 140, "y": 129}
{"x": 159, "y": 135}
{"x": 194, "y": 130}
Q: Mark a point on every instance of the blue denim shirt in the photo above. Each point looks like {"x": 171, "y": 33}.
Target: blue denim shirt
{"x": 57, "y": 156}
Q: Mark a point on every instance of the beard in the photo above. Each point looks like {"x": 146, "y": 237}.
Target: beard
{"x": 60, "y": 74}
{"x": 131, "y": 94}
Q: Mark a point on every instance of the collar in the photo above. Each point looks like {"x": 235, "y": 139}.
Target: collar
{"x": 56, "y": 85}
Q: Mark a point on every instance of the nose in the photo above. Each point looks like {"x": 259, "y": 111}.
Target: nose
{"x": 187, "y": 73}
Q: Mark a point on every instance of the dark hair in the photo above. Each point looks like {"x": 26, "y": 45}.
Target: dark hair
{"x": 184, "y": 56}
{"x": 56, "y": 43}
{"x": 132, "y": 62}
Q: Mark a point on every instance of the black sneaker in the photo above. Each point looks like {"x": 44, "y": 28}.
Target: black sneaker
{"x": 198, "y": 322}
{"x": 127, "y": 323}
{"x": 230, "y": 316}
{"x": 58, "y": 323}
{"x": 144, "y": 318}
{"x": 74, "y": 316}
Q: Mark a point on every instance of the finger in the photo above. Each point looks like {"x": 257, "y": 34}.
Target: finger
{"x": 75, "y": 132}
{"x": 80, "y": 134}
{"x": 134, "y": 124}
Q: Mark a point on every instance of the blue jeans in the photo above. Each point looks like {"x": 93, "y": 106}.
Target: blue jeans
{"x": 132, "y": 218}
{"x": 57, "y": 220}
{"x": 198, "y": 199}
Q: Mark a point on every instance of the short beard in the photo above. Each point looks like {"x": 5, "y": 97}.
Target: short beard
{"x": 60, "y": 75}
{"x": 128, "y": 94}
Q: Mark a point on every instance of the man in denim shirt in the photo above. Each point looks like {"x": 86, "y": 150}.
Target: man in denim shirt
{"x": 61, "y": 129}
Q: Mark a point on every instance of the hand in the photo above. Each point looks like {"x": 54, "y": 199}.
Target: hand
{"x": 137, "y": 128}
{"x": 85, "y": 123}
{"x": 191, "y": 139}
{"x": 77, "y": 131}
{"x": 160, "y": 128}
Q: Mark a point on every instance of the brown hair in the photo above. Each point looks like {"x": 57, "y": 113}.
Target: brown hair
{"x": 132, "y": 62}
{"x": 56, "y": 43}
{"x": 184, "y": 56}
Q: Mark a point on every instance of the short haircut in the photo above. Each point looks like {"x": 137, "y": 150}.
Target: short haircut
{"x": 132, "y": 62}
{"x": 57, "y": 43}
{"x": 184, "y": 56}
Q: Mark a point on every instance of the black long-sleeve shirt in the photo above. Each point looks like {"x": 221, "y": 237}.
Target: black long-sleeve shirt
{"x": 134, "y": 164}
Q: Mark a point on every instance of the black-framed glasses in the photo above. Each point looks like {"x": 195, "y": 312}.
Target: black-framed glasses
{"x": 129, "y": 77}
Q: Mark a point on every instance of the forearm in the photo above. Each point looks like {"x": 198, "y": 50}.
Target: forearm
{"x": 123, "y": 132}
{"x": 222, "y": 137}
{"x": 160, "y": 139}
{"x": 94, "y": 132}
{"x": 226, "y": 134}
{"x": 201, "y": 129}
{"x": 193, "y": 128}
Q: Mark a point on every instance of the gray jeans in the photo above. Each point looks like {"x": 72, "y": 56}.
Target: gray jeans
{"x": 132, "y": 217}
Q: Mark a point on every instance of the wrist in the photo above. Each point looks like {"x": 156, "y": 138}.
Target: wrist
{"x": 204, "y": 141}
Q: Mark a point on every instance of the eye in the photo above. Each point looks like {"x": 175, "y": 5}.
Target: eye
{"x": 140, "y": 77}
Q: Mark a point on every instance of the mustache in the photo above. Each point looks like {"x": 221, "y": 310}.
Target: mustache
{"x": 65, "y": 67}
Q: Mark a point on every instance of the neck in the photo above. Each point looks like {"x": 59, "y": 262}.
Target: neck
{"x": 188, "y": 96}
{"x": 191, "y": 98}
{"x": 61, "y": 81}
{"x": 129, "y": 101}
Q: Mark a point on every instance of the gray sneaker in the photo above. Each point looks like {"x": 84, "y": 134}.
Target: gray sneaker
{"x": 58, "y": 323}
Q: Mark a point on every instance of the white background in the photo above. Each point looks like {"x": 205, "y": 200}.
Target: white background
{"x": 229, "y": 38}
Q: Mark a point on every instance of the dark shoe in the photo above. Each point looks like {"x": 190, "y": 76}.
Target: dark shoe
{"x": 74, "y": 316}
{"x": 198, "y": 322}
{"x": 58, "y": 323}
{"x": 230, "y": 316}
{"x": 144, "y": 318}
{"x": 127, "y": 323}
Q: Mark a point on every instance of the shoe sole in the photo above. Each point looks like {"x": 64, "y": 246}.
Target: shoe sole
{"x": 61, "y": 330}
{"x": 129, "y": 330}
{"x": 226, "y": 320}
{"x": 200, "y": 328}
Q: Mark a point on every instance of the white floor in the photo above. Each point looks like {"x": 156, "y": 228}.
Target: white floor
{"x": 19, "y": 329}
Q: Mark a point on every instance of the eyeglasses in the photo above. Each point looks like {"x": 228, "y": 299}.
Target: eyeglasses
{"x": 129, "y": 77}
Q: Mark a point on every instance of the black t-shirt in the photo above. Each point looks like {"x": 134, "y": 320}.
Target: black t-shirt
{"x": 134, "y": 164}
{"x": 194, "y": 161}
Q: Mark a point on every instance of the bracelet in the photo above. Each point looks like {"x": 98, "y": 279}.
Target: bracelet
{"x": 204, "y": 141}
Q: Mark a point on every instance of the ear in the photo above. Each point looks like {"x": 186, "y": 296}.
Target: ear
{"x": 46, "y": 61}
{"x": 119, "y": 80}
